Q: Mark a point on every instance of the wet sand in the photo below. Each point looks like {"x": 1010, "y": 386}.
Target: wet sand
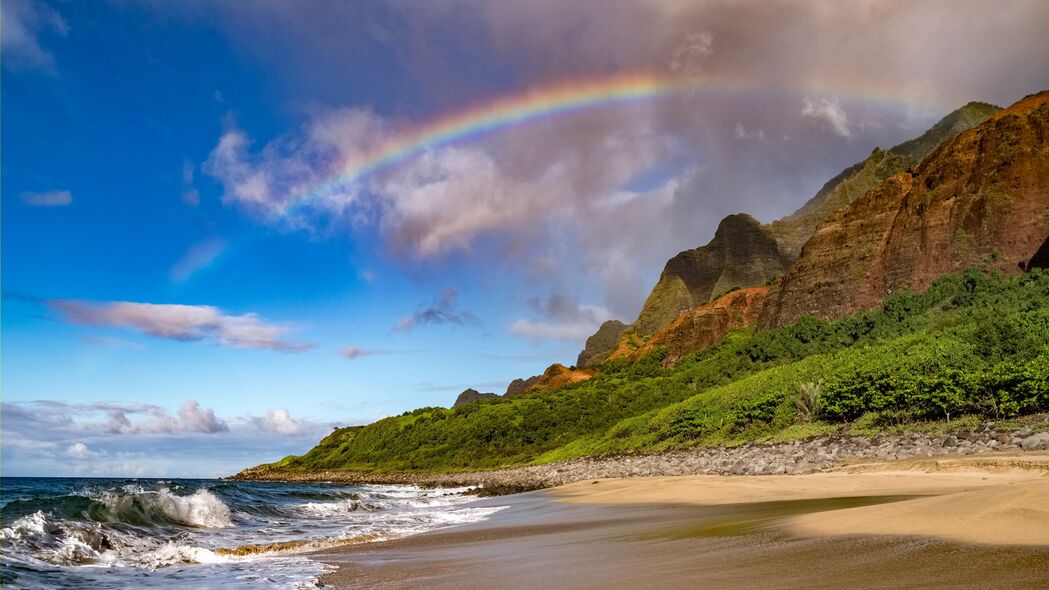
{"x": 674, "y": 533}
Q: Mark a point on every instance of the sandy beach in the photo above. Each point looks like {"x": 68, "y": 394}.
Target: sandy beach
{"x": 933, "y": 523}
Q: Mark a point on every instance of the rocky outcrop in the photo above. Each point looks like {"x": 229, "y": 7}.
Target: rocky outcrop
{"x": 742, "y": 254}
{"x": 602, "y": 343}
{"x": 555, "y": 376}
{"x": 470, "y": 396}
{"x": 980, "y": 198}
{"x": 703, "y": 326}
{"x": 519, "y": 386}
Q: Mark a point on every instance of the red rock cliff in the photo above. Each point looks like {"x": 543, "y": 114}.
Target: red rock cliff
{"x": 980, "y": 198}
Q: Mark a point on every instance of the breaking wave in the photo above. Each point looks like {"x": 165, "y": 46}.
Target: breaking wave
{"x": 129, "y": 533}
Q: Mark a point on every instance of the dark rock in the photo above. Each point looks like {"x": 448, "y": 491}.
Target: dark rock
{"x": 470, "y": 396}
{"x": 601, "y": 343}
{"x": 519, "y": 386}
{"x": 742, "y": 254}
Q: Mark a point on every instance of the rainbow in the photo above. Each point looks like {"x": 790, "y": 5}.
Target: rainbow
{"x": 539, "y": 103}
{"x": 561, "y": 99}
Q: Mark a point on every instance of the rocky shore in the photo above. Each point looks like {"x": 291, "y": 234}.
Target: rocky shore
{"x": 798, "y": 457}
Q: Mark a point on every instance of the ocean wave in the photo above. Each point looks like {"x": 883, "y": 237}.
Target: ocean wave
{"x": 337, "y": 508}
{"x": 38, "y": 538}
{"x": 133, "y": 505}
{"x": 199, "y": 509}
{"x": 135, "y": 531}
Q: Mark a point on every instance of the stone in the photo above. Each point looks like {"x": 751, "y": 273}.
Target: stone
{"x": 1036, "y": 442}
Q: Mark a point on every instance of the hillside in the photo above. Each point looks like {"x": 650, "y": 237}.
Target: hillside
{"x": 922, "y": 299}
{"x": 920, "y": 356}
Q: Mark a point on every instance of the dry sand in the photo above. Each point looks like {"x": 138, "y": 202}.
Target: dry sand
{"x": 860, "y": 527}
{"x": 1000, "y": 499}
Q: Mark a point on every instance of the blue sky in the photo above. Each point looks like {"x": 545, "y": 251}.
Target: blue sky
{"x": 160, "y": 319}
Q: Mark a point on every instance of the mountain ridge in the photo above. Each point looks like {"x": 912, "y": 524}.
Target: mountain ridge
{"x": 672, "y": 295}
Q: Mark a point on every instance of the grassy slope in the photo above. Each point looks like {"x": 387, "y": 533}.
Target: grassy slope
{"x": 970, "y": 345}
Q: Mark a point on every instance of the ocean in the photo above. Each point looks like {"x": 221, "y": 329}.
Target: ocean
{"x": 200, "y": 534}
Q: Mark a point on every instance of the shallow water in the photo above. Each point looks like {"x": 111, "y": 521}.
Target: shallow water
{"x": 142, "y": 533}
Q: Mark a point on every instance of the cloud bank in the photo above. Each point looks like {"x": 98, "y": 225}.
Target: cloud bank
{"x": 181, "y": 322}
{"x": 129, "y": 438}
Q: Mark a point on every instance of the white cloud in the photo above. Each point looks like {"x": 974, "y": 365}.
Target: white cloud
{"x": 193, "y": 418}
{"x": 279, "y": 421}
{"x": 79, "y": 450}
{"x": 285, "y": 180}
{"x": 48, "y": 199}
{"x": 181, "y": 322}
{"x": 441, "y": 199}
{"x": 22, "y": 22}
{"x": 828, "y": 110}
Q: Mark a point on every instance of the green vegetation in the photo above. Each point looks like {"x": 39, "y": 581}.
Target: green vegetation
{"x": 971, "y": 345}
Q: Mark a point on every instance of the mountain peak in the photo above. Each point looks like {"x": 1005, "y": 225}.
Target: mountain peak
{"x": 742, "y": 253}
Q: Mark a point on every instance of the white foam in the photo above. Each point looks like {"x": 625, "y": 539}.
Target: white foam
{"x": 200, "y": 509}
{"x": 373, "y": 513}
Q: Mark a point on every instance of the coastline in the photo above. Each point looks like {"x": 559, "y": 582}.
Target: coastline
{"x": 740, "y": 532}
{"x": 814, "y": 455}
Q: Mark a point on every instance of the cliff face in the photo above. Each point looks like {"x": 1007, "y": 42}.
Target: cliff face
{"x": 701, "y": 327}
{"x": 601, "y": 343}
{"x": 792, "y": 231}
{"x": 980, "y": 197}
{"x": 742, "y": 254}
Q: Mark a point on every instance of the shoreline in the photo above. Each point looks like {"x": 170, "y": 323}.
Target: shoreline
{"x": 820, "y": 454}
{"x": 817, "y": 531}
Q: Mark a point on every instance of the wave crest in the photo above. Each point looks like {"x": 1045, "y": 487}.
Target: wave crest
{"x": 144, "y": 507}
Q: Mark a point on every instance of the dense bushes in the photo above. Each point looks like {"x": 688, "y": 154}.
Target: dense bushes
{"x": 970, "y": 344}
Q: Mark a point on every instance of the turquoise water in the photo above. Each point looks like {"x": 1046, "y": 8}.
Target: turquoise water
{"x": 148, "y": 533}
